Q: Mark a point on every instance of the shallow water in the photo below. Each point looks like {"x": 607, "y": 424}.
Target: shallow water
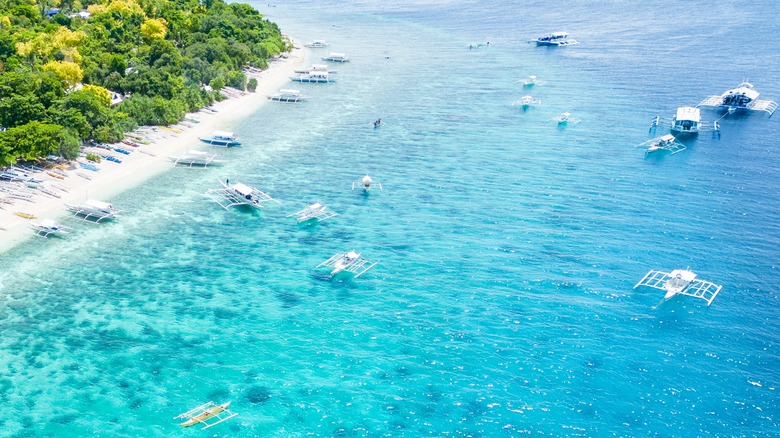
{"x": 508, "y": 247}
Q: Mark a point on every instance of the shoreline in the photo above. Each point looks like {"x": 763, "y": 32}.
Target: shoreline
{"x": 147, "y": 160}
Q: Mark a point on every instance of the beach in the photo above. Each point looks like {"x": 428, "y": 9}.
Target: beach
{"x": 147, "y": 160}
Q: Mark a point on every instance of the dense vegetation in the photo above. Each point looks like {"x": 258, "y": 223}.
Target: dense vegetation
{"x": 57, "y": 66}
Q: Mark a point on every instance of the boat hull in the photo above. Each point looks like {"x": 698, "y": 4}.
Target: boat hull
{"x": 222, "y": 143}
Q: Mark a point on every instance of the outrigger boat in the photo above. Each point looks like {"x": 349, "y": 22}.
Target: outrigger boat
{"x": 366, "y": 183}
{"x": 565, "y": 119}
{"x": 744, "y": 97}
{"x": 680, "y": 282}
{"x": 288, "y": 95}
{"x": 222, "y": 138}
{"x": 197, "y": 159}
{"x": 555, "y": 39}
{"x": 314, "y": 211}
{"x": 47, "y": 227}
{"x": 664, "y": 143}
{"x": 92, "y": 210}
{"x": 315, "y": 77}
{"x": 232, "y": 195}
{"x": 316, "y": 44}
{"x": 336, "y": 57}
{"x": 209, "y": 414}
{"x": 530, "y": 81}
{"x": 687, "y": 121}
{"x": 526, "y": 102}
{"x": 349, "y": 262}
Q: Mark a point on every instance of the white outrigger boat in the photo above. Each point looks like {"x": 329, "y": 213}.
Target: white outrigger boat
{"x": 233, "y": 195}
{"x": 336, "y": 57}
{"x": 350, "y": 262}
{"x": 530, "y": 81}
{"x": 687, "y": 121}
{"x": 222, "y": 138}
{"x": 526, "y": 102}
{"x": 565, "y": 119}
{"x": 366, "y": 182}
{"x": 209, "y": 415}
{"x": 288, "y": 95}
{"x": 680, "y": 282}
{"x": 314, "y": 211}
{"x": 663, "y": 143}
{"x": 744, "y": 97}
{"x": 48, "y": 227}
{"x": 95, "y": 211}
{"x": 555, "y": 39}
{"x": 315, "y": 77}
{"x": 316, "y": 44}
{"x": 195, "y": 158}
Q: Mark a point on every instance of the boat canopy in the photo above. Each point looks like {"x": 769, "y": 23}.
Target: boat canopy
{"x": 98, "y": 204}
{"x": 688, "y": 113}
{"x": 224, "y": 134}
{"x": 745, "y": 89}
{"x": 242, "y": 189}
{"x": 667, "y": 138}
{"x": 289, "y": 91}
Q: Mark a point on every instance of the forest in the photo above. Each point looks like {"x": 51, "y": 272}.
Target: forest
{"x": 62, "y": 62}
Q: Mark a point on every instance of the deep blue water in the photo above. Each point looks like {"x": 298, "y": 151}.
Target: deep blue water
{"x": 508, "y": 247}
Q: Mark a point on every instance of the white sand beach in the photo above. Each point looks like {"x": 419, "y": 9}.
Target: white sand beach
{"x": 145, "y": 161}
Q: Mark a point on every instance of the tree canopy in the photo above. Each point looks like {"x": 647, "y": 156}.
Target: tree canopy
{"x": 58, "y": 72}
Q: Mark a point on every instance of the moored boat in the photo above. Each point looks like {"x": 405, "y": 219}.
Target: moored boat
{"x": 336, "y": 57}
{"x": 222, "y": 138}
{"x": 555, "y": 39}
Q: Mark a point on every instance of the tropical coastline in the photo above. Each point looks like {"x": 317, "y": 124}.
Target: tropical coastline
{"x": 509, "y": 245}
{"x": 147, "y": 160}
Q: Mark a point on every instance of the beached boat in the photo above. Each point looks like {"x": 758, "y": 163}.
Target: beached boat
{"x": 15, "y": 174}
{"x": 743, "y": 97}
{"x": 316, "y": 44}
{"x": 93, "y": 210}
{"x": 209, "y": 415}
{"x": 336, "y": 57}
{"x": 687, "y": 121}
{"x": 347, "y": 262}
{"x": 663, "y": 143}
{"x": 314, "y": 68}
{"x": 565, "y": 119}
{"x": 313, "y": 77}
{"x": 365, "y": 182}
{"x": 526, "y": 102}
{"x": 680, "y": 282}
{"x": 195, "y": 158}
{"x": 48, "y": 227}
{"x": 233, "y": 195}
{"x": 314, "y": 211}
{"x": 222, "y": 138}
{"x": 24, "y": 215}
{"x": 288, "y": 95}
{"x": 555, "y": 39}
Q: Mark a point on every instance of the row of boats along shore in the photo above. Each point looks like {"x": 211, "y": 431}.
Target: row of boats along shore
{"x": 23, "y": 182}
{"x": 686, "y": 122}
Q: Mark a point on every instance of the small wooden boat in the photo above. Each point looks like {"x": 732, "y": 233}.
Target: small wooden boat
{"x": 25, "y": 215}
{"x": 205, "y": 413}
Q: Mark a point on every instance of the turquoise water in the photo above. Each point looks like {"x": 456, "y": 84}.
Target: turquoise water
{"x": 508, "y": 247}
